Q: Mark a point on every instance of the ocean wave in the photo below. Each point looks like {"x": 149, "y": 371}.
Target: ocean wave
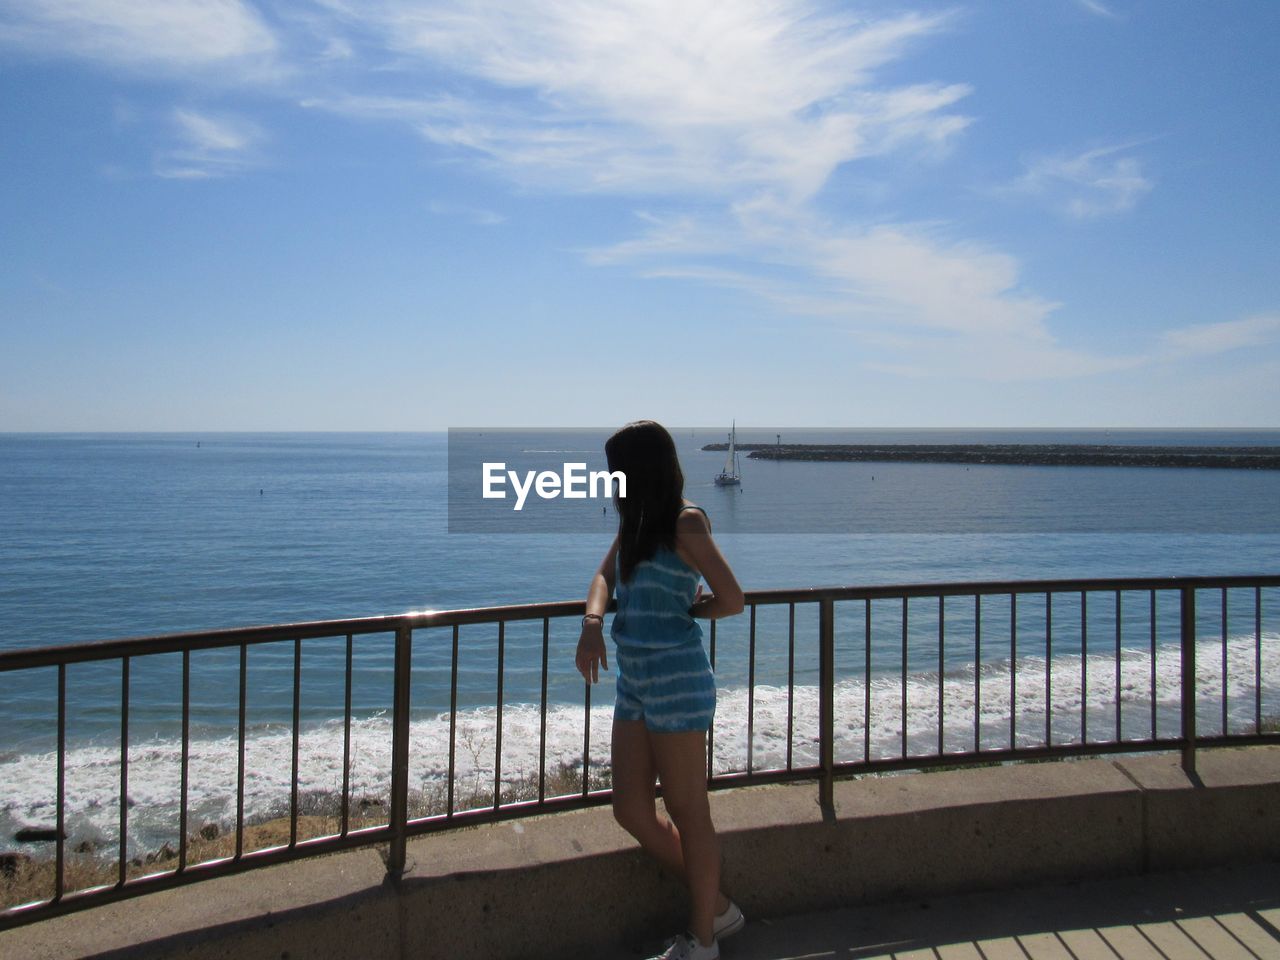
{"x": 869, "y": 723}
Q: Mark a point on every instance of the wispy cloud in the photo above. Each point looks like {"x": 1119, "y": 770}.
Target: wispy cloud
{"x": 738, "y": 115}
{"x": 337, "y": 48}
{"x": 1098, "y": 182}
{"x": 665, "y": 95}
{"x": 1206, "y": 339}
{"x": 1097, "y": 8}
{"x": 173, "y": 34}
{"x": 749, "y": 107}
{"x": 921, "y": 298}
{"x": 476, "y": 215}
{"x": 208, "y": 146}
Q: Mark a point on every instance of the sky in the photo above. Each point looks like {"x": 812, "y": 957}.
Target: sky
{"x": 402, "y": 215}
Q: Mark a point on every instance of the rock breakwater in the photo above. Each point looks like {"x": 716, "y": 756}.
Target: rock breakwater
{"x": 1056, "y": 455}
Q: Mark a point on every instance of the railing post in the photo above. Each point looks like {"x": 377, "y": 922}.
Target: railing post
{"x": 826, "y": 704}
{"x": 400, "y": 750}
{"x": 1188, "y": 640}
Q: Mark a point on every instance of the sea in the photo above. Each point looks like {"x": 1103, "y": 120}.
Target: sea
{"x": 117, "y": 535}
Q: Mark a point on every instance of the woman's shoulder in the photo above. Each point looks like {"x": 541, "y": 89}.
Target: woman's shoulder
{"x": 691, "y": 518}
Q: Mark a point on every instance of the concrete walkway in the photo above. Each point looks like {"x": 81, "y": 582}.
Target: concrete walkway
{"x": 1224, "y": 914}
{"x": 573, "y": 884}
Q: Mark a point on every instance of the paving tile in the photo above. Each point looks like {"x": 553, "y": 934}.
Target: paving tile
{"x": 1229, "y": 915}
{"x": 1260, "y": 943}
{"x": 959, "y": 951}
{"x": 1172, "y": 942}
{"x": 1129, "y": 943}
{"x": 1001, "y": 948}
{"x": 1269, "y": 920}
{"x": 922, "y": 954}
{"x": 1213, "y": 939}
{"x": 1044, "y": 946}
{"x": 1087, "y": 945}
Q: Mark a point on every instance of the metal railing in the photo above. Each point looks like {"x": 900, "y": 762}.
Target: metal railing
{"x": 876, "y": 679}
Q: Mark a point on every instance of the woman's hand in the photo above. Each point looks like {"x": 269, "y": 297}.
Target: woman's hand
{"x": 591, "y": 652}
{"x": 591, "y": 656}
{"x": 698, "y": 597}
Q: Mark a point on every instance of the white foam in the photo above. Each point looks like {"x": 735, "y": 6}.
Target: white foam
{"x": 92, "y": 780}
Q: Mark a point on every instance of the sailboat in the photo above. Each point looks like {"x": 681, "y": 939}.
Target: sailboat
{"x": 730, "y": 476}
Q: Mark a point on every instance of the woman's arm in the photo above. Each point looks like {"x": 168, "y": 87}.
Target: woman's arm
{"x": 693, "y": 541}
{"x": 591, "y": 655}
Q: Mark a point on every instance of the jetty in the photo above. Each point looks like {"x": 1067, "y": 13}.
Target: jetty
{"x": 1019, "y": 454}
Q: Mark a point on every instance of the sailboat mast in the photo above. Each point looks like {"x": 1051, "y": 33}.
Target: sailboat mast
{"x": 730, "y": 475}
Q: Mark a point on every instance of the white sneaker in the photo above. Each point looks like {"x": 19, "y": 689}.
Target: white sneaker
{"x": 687, "y": 947}
{"x": 728, "y": 923}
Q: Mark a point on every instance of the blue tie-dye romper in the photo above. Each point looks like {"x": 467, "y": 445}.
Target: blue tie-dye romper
{"x": 664, "y": 677}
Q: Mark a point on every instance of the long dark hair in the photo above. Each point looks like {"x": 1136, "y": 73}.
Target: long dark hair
{"x": 646, "y": 455}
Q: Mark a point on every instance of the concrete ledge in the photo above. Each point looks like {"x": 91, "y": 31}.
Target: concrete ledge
{"x": 575, "y": 881}
{"x": 1227, "y": 814}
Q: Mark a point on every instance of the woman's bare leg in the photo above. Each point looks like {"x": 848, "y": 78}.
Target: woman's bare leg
{"x": 681, "y": 760}
{"x": 635, "y": 772}
{"x": 634, "y": 778}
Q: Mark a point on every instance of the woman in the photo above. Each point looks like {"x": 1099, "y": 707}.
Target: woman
{"x": 666, "y": 691}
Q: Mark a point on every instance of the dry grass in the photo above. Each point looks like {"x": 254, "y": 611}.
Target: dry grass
{"x": 32, "y": 879}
